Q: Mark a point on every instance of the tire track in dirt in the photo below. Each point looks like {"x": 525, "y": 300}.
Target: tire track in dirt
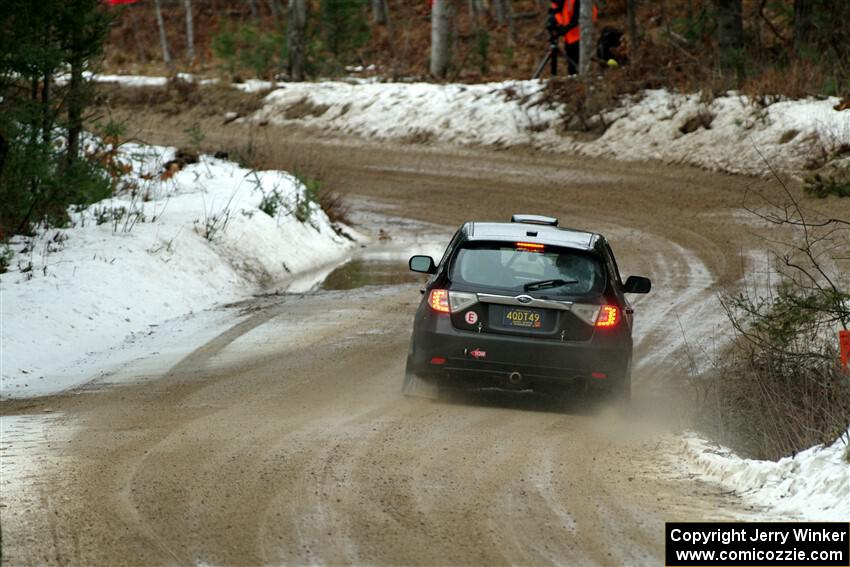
{"x": 301, "y": 450}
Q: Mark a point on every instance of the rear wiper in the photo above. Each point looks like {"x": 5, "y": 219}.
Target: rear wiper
{"x": 543, "y": 284}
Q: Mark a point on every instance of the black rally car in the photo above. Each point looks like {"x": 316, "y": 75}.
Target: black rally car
{"x": 523, "y": 305}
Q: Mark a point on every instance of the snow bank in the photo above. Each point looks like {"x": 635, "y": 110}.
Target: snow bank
{"x": 813, "y": 485}
{"x": 726, "y": 134}
{"x": 168, "y": 246}
{"x": 493, "y": 113}
{"x": 729, "y": 134}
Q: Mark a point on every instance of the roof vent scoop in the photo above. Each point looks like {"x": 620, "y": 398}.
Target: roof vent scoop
{"x": 535, "y": 219}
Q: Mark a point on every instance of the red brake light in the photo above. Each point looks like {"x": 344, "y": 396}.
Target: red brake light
{"x": 529, "y": 246}
{"x": 438, "y": 299}
{"x": 608, "y": 316}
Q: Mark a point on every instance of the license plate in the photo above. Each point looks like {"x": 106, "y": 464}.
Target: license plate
{"x": 527, "y": 318}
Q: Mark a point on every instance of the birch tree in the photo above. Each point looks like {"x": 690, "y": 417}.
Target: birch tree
{"x": 585, "y": 22}
{"x": 441, "y": 53}
{"x": 190, "y": 31}
{"x": 296, "y": 37}
{"x": 163, "y": 40}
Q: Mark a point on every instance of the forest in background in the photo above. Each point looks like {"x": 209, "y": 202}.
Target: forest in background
{"x": 762, "y": 48}
{"x": 791, "y": 47}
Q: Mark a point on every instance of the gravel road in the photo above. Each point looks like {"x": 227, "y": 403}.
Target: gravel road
{"x": 285, "y": 440}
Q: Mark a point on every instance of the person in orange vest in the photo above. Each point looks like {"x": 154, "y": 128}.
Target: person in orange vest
{"x": 563, "y": 20}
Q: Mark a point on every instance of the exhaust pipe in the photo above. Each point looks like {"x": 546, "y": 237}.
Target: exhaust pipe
{"x": 515, "y": 378}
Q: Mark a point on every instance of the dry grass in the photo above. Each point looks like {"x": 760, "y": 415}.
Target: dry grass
{"x": 335, "y": 207}
{"x": 799, "y": 79}
{"x": 768, "y": 407}
{"x": 179, "y": 97}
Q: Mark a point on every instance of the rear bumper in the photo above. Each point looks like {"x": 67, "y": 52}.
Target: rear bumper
{"x": 443, "y": 354}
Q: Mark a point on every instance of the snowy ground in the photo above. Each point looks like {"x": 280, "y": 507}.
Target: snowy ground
{"x": 728, "y": 134}
{"x": 812, "y": 485}
{"x": 76, "y": 301}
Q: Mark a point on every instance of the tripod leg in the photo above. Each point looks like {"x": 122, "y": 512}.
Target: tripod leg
{"x": 542, "y": 65}
{"x": 553, "y": 58}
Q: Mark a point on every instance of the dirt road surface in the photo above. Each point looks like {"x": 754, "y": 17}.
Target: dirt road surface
{"x": 286, "y": 440}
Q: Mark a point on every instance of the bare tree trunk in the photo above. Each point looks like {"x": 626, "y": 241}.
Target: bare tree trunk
{"x": 297, "y": 23}
{"x": 254, "y": 14}
{"x": 802, "y": 23}
{"x": 380, "y": 12}
{"x": 499, "y": 11}
{"x": 46, "y": 118}
{"x": 585, "y": 23}
{"x": 631, "y": 10}
{"x": 504, "y": 15}
{"x": 275, "y": 7}
{"x": 163, "y": 40}
{"x": 730, "y": 33}
{"x": 75, "y": 106}
{"x": 190, "y": 31}
{"x": 476, "y": 8}
{"x": 441, "y": 50}
{"x": 509, "y": 19}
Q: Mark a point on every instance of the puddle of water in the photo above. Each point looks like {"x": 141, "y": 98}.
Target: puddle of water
{"x": 362, "y": 272}
{"x": 381, "y": 262}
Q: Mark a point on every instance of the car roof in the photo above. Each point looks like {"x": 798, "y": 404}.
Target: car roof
{"x": 524, "y": 232}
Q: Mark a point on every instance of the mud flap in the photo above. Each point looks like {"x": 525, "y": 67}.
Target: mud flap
{"x": 413, "y": 385}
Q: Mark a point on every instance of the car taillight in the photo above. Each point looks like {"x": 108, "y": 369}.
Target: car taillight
{"x": 438, "y": 299}
{"x": 459, "y": 300}
{"x": 608, "y": 316}
{"x": 445, "y": 301}
{"x": 605, "y": 316}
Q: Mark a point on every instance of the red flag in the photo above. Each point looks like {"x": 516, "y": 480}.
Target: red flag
{"x": 117, "y": 2}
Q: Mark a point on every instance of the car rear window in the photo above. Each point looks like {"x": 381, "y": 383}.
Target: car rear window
{"x": 511, "y": 267}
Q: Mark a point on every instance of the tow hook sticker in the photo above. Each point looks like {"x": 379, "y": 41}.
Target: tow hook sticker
{"x": 471, "y": 317}
{"x": 478, "y": 353}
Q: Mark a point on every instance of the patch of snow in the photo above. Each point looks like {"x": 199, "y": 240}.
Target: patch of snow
{"x": 255, "y": 85}
{"x": 167, "y": 246}
{"x": 489, "y": 113}
{"x": 812, "y": 485}
{"x": 729, "y": 133}
{"x": 146, "y": 81}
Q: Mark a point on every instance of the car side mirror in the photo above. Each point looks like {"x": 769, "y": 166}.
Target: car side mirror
{"x": 637, "y": 284}
{"x": 423, "y": 264}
